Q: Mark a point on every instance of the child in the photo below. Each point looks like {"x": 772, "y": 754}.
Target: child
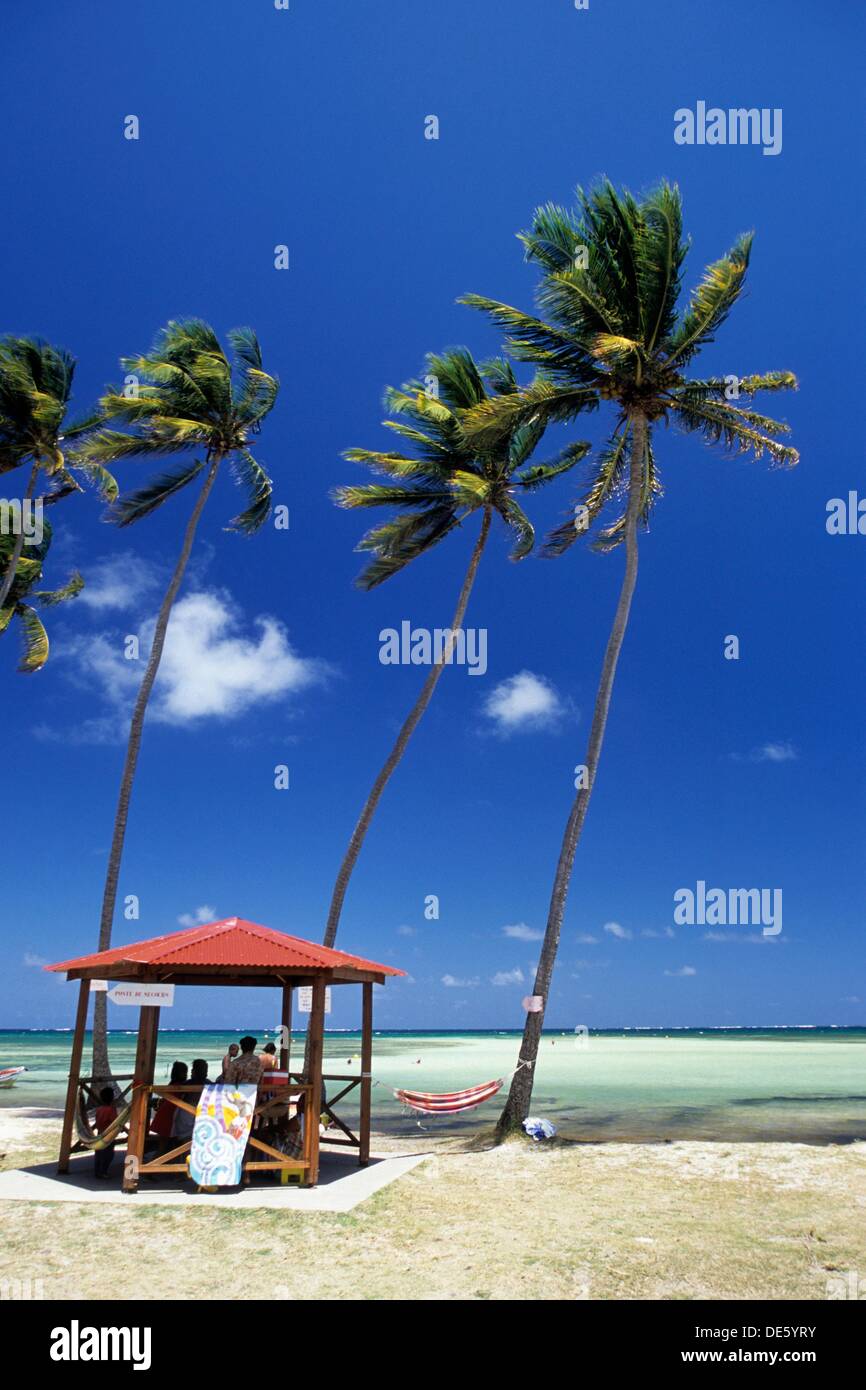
{"x": 106, "y": 1114}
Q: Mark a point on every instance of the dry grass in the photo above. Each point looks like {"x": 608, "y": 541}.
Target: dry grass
{"x": 627, "y": 1221}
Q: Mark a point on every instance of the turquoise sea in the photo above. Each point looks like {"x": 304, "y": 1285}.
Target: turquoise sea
{"x": 806, "y": 1084}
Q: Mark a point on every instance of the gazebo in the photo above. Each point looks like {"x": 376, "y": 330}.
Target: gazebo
{"x": 229, "y": 952}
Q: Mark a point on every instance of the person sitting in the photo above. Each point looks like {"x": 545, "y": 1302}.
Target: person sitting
{"x": 287, "y": 1138}
{"x": 268, "y": 1057}
{"x": 106, "y": 1114}
{"x": 230, "y": 1056}
{"x": 163, "y": 1119}
{"x": 198, "y": 1076}
{"x": 183, "y": 1121}
{"x": 245, "y": 1070}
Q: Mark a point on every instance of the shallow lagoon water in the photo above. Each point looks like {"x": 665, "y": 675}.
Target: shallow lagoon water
{"x": 805, "y": 1084}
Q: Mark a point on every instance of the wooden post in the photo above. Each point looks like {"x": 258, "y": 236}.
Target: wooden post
{"x": 286, "y": 1021}
{"x": 74, "y": 1077}
{"x": 366, "y": 1069}
{"x": 315, "y": 1052}
{"x": 145, "y": 1057}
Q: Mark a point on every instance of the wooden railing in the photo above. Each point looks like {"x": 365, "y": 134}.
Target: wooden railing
{"x": 351, "y": 1141}
{"x": 272, "y": 1101}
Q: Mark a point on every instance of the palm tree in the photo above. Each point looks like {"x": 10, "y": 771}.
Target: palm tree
{"x": 613, "y": 332}
{"x": 185, "y": 397}
{"x": 434, "y": 491}
{"x": 35, "y": 391}
{"x": 28, "y": 573}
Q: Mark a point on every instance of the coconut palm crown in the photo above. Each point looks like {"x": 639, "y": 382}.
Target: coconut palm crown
{"x": 187, "y": 396}
{"x": 447, "y": 478}
{"x": 613, "y": 331}
{"x": 35, "y": 392}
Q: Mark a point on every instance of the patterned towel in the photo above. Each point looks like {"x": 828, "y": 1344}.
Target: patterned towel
{"x": 223, "y": 1119}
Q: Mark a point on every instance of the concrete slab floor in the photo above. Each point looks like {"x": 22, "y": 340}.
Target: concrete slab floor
{"x": 342, "y": 1186}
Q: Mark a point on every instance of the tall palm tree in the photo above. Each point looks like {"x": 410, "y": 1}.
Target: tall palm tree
{"x": 435, "y": 490}
{"x": 187, "y": 397}
{"x": 613, "y": 332}
{"x": 28, "y": 573}
{"x": 35, "y": 391}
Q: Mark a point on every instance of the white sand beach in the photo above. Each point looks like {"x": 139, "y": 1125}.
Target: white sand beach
{"x": 684, "y": 1220}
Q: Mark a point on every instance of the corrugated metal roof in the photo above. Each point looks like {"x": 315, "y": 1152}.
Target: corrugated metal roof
{"x": 230, "y": 942}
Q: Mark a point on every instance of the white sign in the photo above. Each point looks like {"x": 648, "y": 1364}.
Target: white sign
{"x": 533, "y": 1003}
{"x": 98, "y": 986}
{"x": 305, "y": 999}
{"x": 153, "y": 996}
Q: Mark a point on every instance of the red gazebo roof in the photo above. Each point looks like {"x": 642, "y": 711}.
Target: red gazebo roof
{"x": 231, "y": 945}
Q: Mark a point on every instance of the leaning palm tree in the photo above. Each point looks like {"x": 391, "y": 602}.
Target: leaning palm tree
{"x": 435, "y": 490}
{"x": 35, "y": 391}
{"x": 184, "y": 397}
{"x": 28, "y": 573}
{"x": 613, "y": 332}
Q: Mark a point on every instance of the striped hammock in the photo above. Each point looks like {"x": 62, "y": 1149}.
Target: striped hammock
{"x": 450, "y": 1102}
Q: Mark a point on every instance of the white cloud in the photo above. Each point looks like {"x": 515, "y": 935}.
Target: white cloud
{"x": 451, "y": 982}
{"x": 771, "y": 752}
{"x": 119, "y": 582}
{"x": 521, "y": 932}
{"x": 407, "y": 931}
{"x": 508, "y": 977}
{"x": 209, "y": 668}
{"x": 198, "y": 917}
{"x": 586, "y": 938}
{"x": 33, "y": 961}
{"x": 650, "y": 931}
{"x": 775, "y": 753}
{"x": 747, "y": 938}
{"x": 524, "y": 701}
{"x": 614, "y": 929}
{"x": 682, "y": 972}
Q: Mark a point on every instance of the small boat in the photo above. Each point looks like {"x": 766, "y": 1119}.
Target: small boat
{"x": 8, "y": 1075}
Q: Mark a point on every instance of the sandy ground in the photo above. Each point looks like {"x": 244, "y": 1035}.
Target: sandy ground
{"x": 587, "y": 1221}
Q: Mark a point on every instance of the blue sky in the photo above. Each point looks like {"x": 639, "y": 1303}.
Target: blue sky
{"x": 260, "y": 127}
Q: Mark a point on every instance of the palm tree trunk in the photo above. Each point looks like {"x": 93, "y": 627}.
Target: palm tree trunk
{"x": 9, "y": 576}
{"x": 516, "y": 1108}
{"x": 403, "y": 738}
{"x": 101, "y": 1066}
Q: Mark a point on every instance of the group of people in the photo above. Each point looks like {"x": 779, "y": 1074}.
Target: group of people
{"x": 241, "y": 1065}
{"x": 171, "y": 1124}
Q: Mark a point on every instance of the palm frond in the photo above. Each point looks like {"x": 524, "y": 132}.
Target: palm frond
{"x": 609, "y": 476}
{"x": 541, "y": 473}
{"x": 397, "y": 543}
{"x": 35, "y": 640}
{"x": 49, "y": 598}
{"x": 722, "y": 424}
{"x": 710, "y": 302}
{"x": 251, "y": 475}
{"x": 134, "y": 506}
{"x": 519, "y": 524}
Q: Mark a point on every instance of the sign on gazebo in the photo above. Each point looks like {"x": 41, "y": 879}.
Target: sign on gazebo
{"x": 305, "y": 999}
{"x": 151, "y": 996}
